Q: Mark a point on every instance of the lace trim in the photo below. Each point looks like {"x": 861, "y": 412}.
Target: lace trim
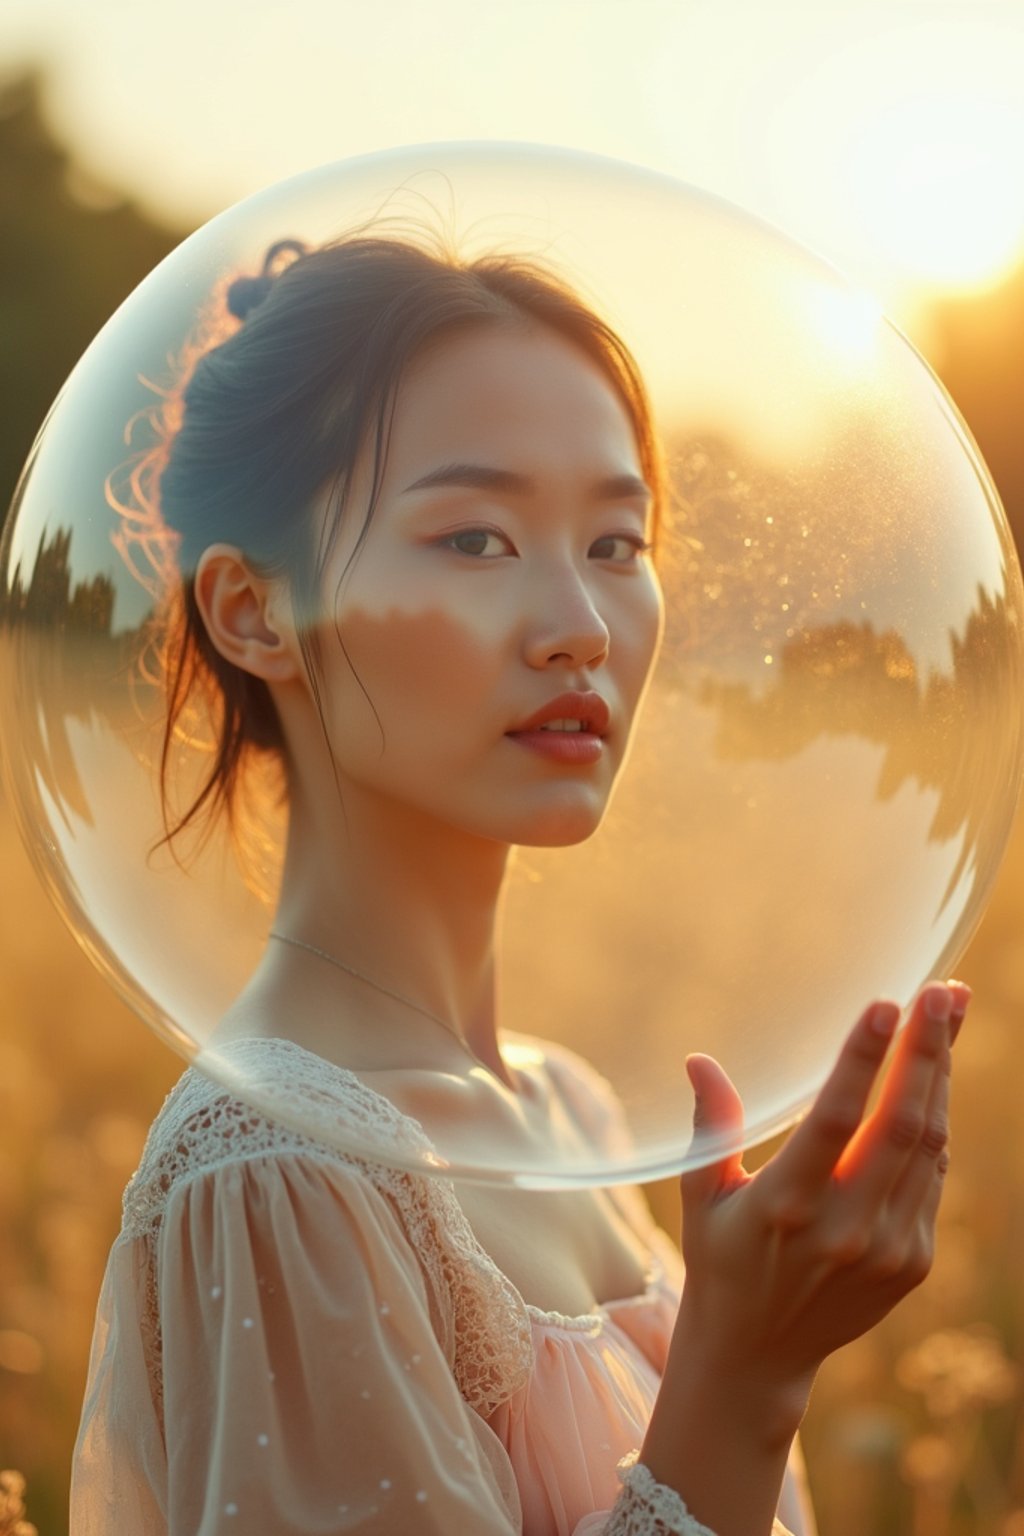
{"x": 584, "y": 1322}
{"x": 648, "y": 1508}
{"x": 594, "y": 1322}
{"x": 479, "y": 1317}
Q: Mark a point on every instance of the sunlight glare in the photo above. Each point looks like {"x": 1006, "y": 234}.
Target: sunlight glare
{"x": 848, "y": 321}
{"x": 939, "y": 181}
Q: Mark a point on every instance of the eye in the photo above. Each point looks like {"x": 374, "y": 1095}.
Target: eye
{"x": 619, "y": 548}
{"x": 481, "y": 543}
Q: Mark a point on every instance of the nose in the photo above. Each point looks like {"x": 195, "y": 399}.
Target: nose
{"x": 566, "y": 627}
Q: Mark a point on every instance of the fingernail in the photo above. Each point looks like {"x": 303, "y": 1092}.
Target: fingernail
{"x": 883, "y": 1019}
{"x": 938, "y": 1004}
{"x": 961, "y": 998}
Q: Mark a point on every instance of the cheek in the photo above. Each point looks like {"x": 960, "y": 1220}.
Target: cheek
{"x": 657, "y": 619}
{"x": 645, "y": 626}
{"x": 408, "y": 660}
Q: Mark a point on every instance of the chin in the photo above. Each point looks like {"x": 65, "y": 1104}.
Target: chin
{"x": 560, "y": 826}
{"x": 557, "y": 838}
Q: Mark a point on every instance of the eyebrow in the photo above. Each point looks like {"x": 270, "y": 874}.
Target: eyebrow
{"x": 485, "y": 478}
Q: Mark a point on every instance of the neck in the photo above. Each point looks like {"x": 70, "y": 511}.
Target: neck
{"x": 409, "y": 902}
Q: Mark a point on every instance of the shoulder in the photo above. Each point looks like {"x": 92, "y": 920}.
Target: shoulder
{"x": 206, "y": 1132}
{"x": 208, "y": 1122}
{"x": 588, "y": 1097}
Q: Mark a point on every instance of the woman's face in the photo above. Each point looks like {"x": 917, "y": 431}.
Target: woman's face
{"x": 502, "y": 593}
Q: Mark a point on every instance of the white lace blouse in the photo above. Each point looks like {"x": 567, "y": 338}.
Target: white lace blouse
{"x": 291, "y": 1341}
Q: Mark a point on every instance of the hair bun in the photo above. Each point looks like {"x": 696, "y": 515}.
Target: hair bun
{"x": 247, "y": 293}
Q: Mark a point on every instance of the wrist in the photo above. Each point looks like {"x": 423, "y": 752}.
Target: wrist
{"x": 723, "y": 1450}
{"x": 720, "y": 1373}
{"x": 753, "y": 1422}
{"x": 720, "y": 1435}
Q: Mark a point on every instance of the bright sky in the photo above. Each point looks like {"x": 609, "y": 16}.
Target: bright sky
{"x": 887, "y": 134}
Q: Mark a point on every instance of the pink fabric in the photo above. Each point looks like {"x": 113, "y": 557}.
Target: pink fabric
{"x": 585, "y": 1406}
{"x": 588, "y": 1402}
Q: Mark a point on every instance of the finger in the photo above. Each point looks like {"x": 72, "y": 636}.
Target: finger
{"x": 961, "y": 1001}
{"x": 928, "y": 1214}
{"x": 912, "y": 1239}
{"x": 918, "y": 1186}
{"x": 806, "y": 1163}
{"x": 717, "y": 1140}
{"x": 886, "y": 1142}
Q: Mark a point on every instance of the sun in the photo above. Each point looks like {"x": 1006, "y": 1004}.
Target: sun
{"x": 938, "y": 180}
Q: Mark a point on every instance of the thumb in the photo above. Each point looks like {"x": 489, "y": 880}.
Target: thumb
{"x": 717, "y": 1143}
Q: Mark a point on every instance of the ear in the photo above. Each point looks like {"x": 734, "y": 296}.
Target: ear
{"x": 248, "y": 618}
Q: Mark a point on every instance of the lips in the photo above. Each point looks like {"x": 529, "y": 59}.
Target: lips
{"x": 570, "y": 712}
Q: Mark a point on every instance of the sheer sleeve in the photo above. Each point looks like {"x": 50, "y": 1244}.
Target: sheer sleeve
{"x": 305, "y": 1389}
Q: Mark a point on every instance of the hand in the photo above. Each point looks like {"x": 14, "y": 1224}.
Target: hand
{"x": 786, "y": 1265}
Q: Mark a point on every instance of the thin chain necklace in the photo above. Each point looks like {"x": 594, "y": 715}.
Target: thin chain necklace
{"x": 313, "y": 949}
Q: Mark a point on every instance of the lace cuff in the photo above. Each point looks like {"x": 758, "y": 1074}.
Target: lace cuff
{"x": 647, "y": 1508}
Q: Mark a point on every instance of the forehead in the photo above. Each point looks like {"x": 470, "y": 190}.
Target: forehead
{"x": 505, "y": 393}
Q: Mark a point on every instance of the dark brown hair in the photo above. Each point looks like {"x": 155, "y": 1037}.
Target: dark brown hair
{"x": 301, "y": 375}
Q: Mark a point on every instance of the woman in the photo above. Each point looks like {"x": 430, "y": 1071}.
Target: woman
{"x": 413, "y": 506}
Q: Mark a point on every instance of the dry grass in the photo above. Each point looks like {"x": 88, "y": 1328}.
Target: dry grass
{"x": 917, "y": 1429}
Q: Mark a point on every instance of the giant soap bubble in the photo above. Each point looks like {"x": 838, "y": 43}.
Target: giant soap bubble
{"x": 824, "y": 772}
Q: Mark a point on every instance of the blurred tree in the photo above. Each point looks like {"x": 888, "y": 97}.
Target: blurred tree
{"x": 70, "y": 250}
{"x": 982, "y": 364}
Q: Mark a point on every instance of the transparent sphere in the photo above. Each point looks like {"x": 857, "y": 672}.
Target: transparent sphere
{"x": 823, "y": 773}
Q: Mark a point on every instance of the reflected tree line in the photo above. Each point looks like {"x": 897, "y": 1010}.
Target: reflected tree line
{"x": 60, "y": 662}
{"x": 52, "y": 598}
{"x": 867, "y": 683}
{"x": 755, "y": 545}
{"x": 945, "y": 730}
